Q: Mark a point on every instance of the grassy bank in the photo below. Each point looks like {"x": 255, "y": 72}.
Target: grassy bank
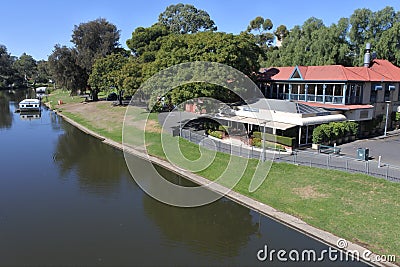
{"x": 357, "y": 207}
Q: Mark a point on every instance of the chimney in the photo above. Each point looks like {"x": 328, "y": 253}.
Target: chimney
{"x": 367, "y": 56}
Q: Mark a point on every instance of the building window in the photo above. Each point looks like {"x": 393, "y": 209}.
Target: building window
{"x": 387, "y": 95}
{"x": 320, "y": 93}
{"x": 388, "y": 90}
{"x": 373, "y": 96}
{"x": 354, "y": 93}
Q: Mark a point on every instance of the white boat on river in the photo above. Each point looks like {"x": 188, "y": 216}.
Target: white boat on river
{"x": 29, "y": 105}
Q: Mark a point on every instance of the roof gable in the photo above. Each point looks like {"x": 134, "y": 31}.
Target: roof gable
{"x": 296, "y": 74}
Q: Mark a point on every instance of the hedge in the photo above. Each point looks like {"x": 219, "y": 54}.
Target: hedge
{"x": 283, "y": 140}
{"x": 258, "y": 143}
{"x": 333, "y": 131}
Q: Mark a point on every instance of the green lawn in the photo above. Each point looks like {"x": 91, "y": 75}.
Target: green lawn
{"x": 357, "y": 207}
{"x": 64, "y": 96}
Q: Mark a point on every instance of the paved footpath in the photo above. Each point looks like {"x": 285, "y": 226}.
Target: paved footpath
{"x": 388, "y": 148}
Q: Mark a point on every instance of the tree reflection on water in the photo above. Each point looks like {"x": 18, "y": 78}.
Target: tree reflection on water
{"x": 6, "y": 115}
{"x": 99, "y": 167}
{"x": 220, "y": 228}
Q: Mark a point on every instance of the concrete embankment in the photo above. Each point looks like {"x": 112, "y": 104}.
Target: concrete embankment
{"x": 288, "y": 220}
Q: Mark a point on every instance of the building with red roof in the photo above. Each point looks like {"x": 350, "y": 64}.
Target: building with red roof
{"x": 360, "y": 93}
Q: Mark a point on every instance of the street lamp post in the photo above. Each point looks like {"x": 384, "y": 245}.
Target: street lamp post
{"x": 386, "y": 119}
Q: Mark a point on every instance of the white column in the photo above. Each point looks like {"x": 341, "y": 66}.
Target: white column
{"x": 284, "y": 90}
{"x": 315, "y": 92}
{"x": 298, "y": 91}
{"x": 299, "y": 134}
{"x": 344, "y": 94}
{"x": 277, "y": 91}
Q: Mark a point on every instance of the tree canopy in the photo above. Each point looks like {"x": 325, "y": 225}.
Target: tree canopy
{"x": 144, "y": 39}
{"x": 185, "y": 18}
{"x": 64, "y": 69}
{"x": 71, "y": 67}
{"x": 106, "y": 72}
{"x": 184, "y": 33}
{"x": 26, "y": 66}
{"x": 314, "y": 43}
{"x": 6, "y": 67}
{"x": 20, "y": 71}
{"x": 261, "y": 26}
{"x": 94, "y": 39}
{"x": 156, "y": 49}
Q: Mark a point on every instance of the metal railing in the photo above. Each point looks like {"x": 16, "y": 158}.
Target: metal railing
{"x": 299, "y": 157}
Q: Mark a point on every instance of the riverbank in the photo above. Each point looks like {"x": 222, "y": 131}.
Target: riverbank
{"x": 356, "y": 207}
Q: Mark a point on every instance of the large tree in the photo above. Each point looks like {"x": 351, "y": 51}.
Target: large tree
{"x": 260, "y": 27}
{"x": 144, "y": 39}
{"x": 26, "y": 67}
{"x": 185, "y": 18}
{"x": 388, "y": 45}
{"x": 368, "y": 27}
{"x": 65, "y": 70}
{"x": 106, "y": 74}
{"x": 281, "y": 32}
{"x": 42, "y": 75}
{"x": 132, "y": 75}
{"x": 313, "y": 43}
{"x": 6, "y": 67}
{"x": 94, "y": 39}
{"x": 238, "y": 51}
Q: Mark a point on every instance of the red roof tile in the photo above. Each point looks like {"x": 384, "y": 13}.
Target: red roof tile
{"x": 380, "y": 70}
{"x": 386, "y": 68}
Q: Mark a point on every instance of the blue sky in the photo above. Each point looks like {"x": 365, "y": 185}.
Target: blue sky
{"x": 36, "y": 26}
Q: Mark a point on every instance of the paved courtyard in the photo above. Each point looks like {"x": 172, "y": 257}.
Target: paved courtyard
{"x": 388, "y": 148}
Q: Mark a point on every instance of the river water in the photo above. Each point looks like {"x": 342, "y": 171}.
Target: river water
{"x": 68, "y": 199}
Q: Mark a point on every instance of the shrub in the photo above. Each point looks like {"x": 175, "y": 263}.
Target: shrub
{"x": 353, "y": 126}
{"x": 217, "y": 134}
{"x": 283, "y": 140}
{"x": 256, "y": 142}
{"x": 318, "y": 135}
{"x": 334, "y": 130}
{"x": 326, "y": 132}
{"x": 397, "y": 116}
{"x": 287, "y": 141}
{"x": 337, "y": 129}
{"x": 257, "y": 135}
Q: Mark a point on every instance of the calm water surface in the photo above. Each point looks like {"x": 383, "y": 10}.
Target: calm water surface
{"x": 68, "y": 199}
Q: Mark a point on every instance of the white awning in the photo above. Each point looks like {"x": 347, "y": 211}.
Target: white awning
{"x": 322, "y": 119}
{"x": 253, "y": 121}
